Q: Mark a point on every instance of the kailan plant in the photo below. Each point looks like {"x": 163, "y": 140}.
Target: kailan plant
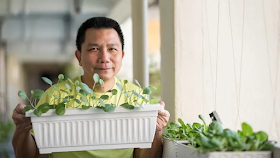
{"x": 84, "y": 96}
{"x": 214, "y": 138}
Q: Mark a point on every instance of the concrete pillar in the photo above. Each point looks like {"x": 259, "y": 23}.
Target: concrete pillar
{"x": 140, "y": 41}
{"x": 3, "y": 77}
{"x": 167, "y": 48}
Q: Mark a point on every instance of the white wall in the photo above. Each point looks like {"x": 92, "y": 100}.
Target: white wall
{"x": 126, "y": 71}
{"x": 221, "y": 65}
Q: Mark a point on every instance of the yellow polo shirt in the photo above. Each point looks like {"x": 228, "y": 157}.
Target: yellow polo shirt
{"x": 116, "y": 153}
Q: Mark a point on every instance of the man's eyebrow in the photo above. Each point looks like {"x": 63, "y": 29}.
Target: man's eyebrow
{"x": 92, "y": 44}
{"x": 113, "y": 44}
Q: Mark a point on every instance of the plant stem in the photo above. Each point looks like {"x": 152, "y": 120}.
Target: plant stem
{"x": 119, "y": 99}
{"x": 30, "y": 102}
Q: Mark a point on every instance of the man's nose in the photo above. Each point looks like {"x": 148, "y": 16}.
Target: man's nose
{"x": 103, "y": 56}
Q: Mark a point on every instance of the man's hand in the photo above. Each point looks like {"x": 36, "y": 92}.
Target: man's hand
{"x": 163, "y": 118}
{"x": 23, "y": 124}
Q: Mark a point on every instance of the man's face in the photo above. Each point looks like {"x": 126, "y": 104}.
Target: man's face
{"x": 101, "y": 53}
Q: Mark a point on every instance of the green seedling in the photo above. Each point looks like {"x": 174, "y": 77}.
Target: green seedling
{"x": 81, "y": 96}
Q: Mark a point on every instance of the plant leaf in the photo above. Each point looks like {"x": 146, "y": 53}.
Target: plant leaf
{"x": 114, "y": 91}
{"x": 55, "y": 87}
{"x": 101, "y": 82}
{"x": 67, "y": 86}
{"x": 64, "y": 91}
{"x": 127, "y": 106}
{"x": 125, "y": 81}
{"x": 77, "y": 83}
{"x": 61, "y": 77}
{"x": 38, "y": 112}
{"x": 44, "y": 107}
{"x": 38, "y": 93}
{"x": 86, "y": 88}
{"x": 182, "y": 123}
{"x": 136, "y": 81}
{"x": 55, "y": 96}
{"x": 83, "y": 99}
{"x": 127, "y": 94}
{"x": 27, "y": 108}
{"x": 104, "y": 97}
{"x": 119, "y": 86}
{"x": 84, "y": 92}
{"x": 153, "y": 87}
{"x": 96, "y": 78}
{"x": 246, "y": 129}
{"x": 77, "y": 101}
{"x": 261, "y": 136}
{"x": 147, "y": 90}
{"x": 136, "y": 94}
{"x": 109, "y": 108}
{"x": 48, "y": 81}
{"x": 101, "y": 102}
{"x": 85, "y": 107}
{"x": 70, "y": 81}
{"x": 60, "y": 109}
{"x": 65, "y": 100}
{"x": 22, "y": 94}
{"x": 78, "y": 88}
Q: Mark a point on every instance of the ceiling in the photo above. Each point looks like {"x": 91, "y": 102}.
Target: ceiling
{"x": 29, "y": 7}
{"x": 31, "y": 29}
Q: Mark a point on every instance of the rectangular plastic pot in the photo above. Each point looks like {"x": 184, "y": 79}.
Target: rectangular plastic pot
{"x": 177, "y": 149}
{"x": 95, "y": 129}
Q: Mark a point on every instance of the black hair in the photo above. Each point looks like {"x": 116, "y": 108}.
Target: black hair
{"x": 98, "y": 23}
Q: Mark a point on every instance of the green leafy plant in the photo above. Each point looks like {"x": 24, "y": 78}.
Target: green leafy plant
{"x": 85, "y": 96}
{"x": 214, "y": 138}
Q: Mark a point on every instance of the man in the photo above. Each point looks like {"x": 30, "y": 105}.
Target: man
{"x": 100, "y": 46}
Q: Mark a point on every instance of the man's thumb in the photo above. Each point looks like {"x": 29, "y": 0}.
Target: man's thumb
{"x": 20, "y": 108}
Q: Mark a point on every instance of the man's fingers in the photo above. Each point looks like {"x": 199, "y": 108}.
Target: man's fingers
{"x": 19, "y": 108}
{"x": 24, "y": 125}
{"x": 163, "y": 113}
{"x": 162, "y": 103}
{"x": 19, "y": 118}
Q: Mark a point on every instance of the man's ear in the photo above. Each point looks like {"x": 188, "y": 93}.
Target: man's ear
{"x": 123, "y": 54}
{"x": 78, "y": 56}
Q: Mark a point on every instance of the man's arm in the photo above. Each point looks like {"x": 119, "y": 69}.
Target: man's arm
{"x": 156, "y": 150}
{"x": 23, "y": 143}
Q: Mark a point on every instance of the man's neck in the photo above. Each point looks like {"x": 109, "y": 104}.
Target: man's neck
{"x": 108, "y": 84}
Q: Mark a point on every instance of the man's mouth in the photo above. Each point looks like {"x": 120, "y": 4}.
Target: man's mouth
{"x": 102, "y": 68}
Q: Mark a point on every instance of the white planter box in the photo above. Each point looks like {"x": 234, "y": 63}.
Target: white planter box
{"x": 176, "y": 149}
{"x": 94, "y": 129}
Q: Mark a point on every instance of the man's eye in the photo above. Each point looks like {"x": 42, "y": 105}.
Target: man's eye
{"x": 112, "y": 49}
{"x": 93, "y": 49}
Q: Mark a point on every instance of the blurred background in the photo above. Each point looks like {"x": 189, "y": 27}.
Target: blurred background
{"x": 37, "y": 38}
{"x": 201, "y": 55}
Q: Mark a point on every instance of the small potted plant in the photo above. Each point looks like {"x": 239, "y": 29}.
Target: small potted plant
{"x": 203, "y": 141}
{"x": 78, "y": 119}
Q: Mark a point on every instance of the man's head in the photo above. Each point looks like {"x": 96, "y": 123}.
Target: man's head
{"x": 100, "y": 48}
{"x": 98, "y": 23}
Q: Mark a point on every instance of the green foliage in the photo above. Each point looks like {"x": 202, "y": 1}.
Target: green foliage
{"x": 83, "y": 96}
{"x": 214, "y": 138}
{"x": 5, "y": 131}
